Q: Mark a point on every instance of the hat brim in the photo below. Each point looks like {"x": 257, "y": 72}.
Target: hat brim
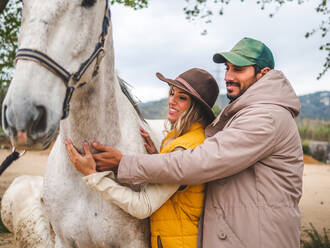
{"x": 184, "y": 88}
{"x": 233, "y": 58}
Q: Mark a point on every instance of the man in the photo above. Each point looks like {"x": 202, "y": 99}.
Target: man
{"x": 252, "y": 159}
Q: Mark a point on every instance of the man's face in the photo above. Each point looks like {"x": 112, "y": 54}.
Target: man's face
{"x": 239, "y": 79}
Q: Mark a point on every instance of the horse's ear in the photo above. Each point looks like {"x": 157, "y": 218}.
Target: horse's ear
{"x": 3, "y": 4}
{"x": 88, "y": 3}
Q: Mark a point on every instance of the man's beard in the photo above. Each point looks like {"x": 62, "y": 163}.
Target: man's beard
{"x": 233, "y": 98}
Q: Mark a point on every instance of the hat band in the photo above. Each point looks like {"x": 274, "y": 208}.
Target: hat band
{"x": 185, "y": 83}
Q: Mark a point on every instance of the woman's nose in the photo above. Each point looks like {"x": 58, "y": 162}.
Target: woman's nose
{"x": 171, "y": 100}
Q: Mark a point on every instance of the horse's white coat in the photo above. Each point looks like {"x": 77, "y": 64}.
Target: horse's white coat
{"x": 24, "y": 215}
{"x": 68, "y": 32}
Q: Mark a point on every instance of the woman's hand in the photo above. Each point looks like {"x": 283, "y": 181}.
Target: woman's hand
{"x": 149, "y": 145}
{"x": 84, "y": 164}
{"x": 108, "y": 158}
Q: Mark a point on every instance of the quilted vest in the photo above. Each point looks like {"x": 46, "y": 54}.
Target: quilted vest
{"x": 175, "y": 224}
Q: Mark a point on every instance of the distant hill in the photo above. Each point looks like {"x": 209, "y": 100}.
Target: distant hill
{"x": 313, "y": 106}
{"x": 154, "y": 109}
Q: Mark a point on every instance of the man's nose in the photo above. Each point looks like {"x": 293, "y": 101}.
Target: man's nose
{"x": 229, "y": 77}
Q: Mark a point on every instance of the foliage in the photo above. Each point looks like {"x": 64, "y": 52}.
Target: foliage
{"x": 316, "y": 240}
{"x": 135, "y": 4}
{"x": 305, "y": 148}
{"x": 314, "y": 130}
{"x": 216, "y": 109}
{"x": 204, "y": 9}
{"x": 10, "y": 21}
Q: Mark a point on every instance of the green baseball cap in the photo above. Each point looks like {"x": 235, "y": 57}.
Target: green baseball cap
{"x": 247, "y": 52}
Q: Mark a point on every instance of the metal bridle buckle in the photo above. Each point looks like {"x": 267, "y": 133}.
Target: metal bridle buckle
{"x": 20, "y": 154}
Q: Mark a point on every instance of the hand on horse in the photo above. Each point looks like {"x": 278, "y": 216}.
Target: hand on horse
{"x": 149, "y": 145}
{"x": 83, "y": 163}
{"x": 108, "y": 158}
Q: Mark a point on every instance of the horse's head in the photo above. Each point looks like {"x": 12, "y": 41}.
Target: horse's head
{"x": 66, "y": 31}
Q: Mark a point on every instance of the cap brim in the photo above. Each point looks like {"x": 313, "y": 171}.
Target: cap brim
{"x": 181, "y": 86}
{"x": 233, "y": 58}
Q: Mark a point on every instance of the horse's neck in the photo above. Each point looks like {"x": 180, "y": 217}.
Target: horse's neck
{"x": 99, "y": 110}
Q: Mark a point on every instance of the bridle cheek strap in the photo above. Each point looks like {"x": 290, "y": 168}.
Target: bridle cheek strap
{"x": 87, "y": 71}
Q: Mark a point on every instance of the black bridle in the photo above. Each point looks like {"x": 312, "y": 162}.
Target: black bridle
{"x": 86, "y": 71}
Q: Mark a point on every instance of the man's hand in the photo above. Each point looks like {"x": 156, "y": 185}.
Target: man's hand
{"x": 85, "y": 164}
{"x": 108, "y": 158}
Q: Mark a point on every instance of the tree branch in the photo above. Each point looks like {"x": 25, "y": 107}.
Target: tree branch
{"x": 3, "y": 4}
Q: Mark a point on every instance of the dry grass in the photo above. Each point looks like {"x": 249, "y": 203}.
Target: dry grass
{"x": 310, "y": 160}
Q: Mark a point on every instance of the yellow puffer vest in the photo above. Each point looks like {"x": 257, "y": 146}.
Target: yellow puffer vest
{"x": 175, "y": 224}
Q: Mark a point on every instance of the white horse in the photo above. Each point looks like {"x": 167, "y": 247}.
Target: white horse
{"x": 67, "y": 31}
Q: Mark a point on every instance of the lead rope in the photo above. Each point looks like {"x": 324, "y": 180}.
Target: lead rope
{"x": 10, "y": 159}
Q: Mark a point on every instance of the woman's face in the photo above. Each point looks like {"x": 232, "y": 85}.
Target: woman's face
{"x": 178, "y": 103}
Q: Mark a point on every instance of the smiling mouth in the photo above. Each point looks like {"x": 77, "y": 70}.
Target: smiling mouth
{"x": 230, "y": 86}
{"x": 172, "y": 110}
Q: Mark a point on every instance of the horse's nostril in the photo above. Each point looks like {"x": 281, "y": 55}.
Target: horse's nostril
{"x": 8, "y": 128}
{"x": 40, "y": 123}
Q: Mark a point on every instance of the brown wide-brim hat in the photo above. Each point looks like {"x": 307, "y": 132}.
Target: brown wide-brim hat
{"x": 199, "y": 84}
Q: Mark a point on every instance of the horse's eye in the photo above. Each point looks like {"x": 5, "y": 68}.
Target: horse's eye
{"x": 88, "y": 3}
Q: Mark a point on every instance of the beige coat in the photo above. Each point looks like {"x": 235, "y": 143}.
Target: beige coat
{"x": 253, "y": 163}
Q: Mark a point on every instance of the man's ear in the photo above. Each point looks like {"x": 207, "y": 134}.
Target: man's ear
{"x": 263, "y": 72}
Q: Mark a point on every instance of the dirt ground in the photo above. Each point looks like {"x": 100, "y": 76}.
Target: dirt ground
{"x": 314, "y": 205}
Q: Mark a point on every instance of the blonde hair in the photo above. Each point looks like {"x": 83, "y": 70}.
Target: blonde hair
{"x": 195, "y": 113}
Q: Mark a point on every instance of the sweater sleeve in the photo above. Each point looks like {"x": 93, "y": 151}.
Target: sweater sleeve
{"x": 138, "y": 204}
{"x": 248, "y": 139}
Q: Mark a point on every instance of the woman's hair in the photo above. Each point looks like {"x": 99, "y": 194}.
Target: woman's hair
{"x": 195, "y": 113}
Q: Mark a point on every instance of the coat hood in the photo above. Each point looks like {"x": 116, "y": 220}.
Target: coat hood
{"x": 272, "y": 88}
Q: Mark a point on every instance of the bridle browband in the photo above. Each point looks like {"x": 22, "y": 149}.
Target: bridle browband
{"x": 84, "y": 74}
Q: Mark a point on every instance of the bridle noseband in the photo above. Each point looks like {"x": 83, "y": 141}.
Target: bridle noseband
{"x": 85, "y": 73}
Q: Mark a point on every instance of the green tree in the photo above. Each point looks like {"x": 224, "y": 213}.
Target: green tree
{"x": 10, "y": 20}
{"x": 206, "y": 9}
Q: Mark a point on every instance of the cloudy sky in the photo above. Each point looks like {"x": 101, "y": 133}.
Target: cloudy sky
{"x": 160, "y": 39}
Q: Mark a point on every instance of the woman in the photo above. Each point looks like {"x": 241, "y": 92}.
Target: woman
{"x": 174, "y": 210}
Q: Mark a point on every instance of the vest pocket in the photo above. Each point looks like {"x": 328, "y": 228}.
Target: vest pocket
{"x": 159, "y": 242}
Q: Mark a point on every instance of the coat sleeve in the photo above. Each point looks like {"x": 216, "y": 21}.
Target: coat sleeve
{"x": 139, "y": 204}
{"x": 249, "y": 138}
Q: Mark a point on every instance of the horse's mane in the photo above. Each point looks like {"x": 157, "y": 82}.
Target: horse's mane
{"x": 124, "y": 88}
